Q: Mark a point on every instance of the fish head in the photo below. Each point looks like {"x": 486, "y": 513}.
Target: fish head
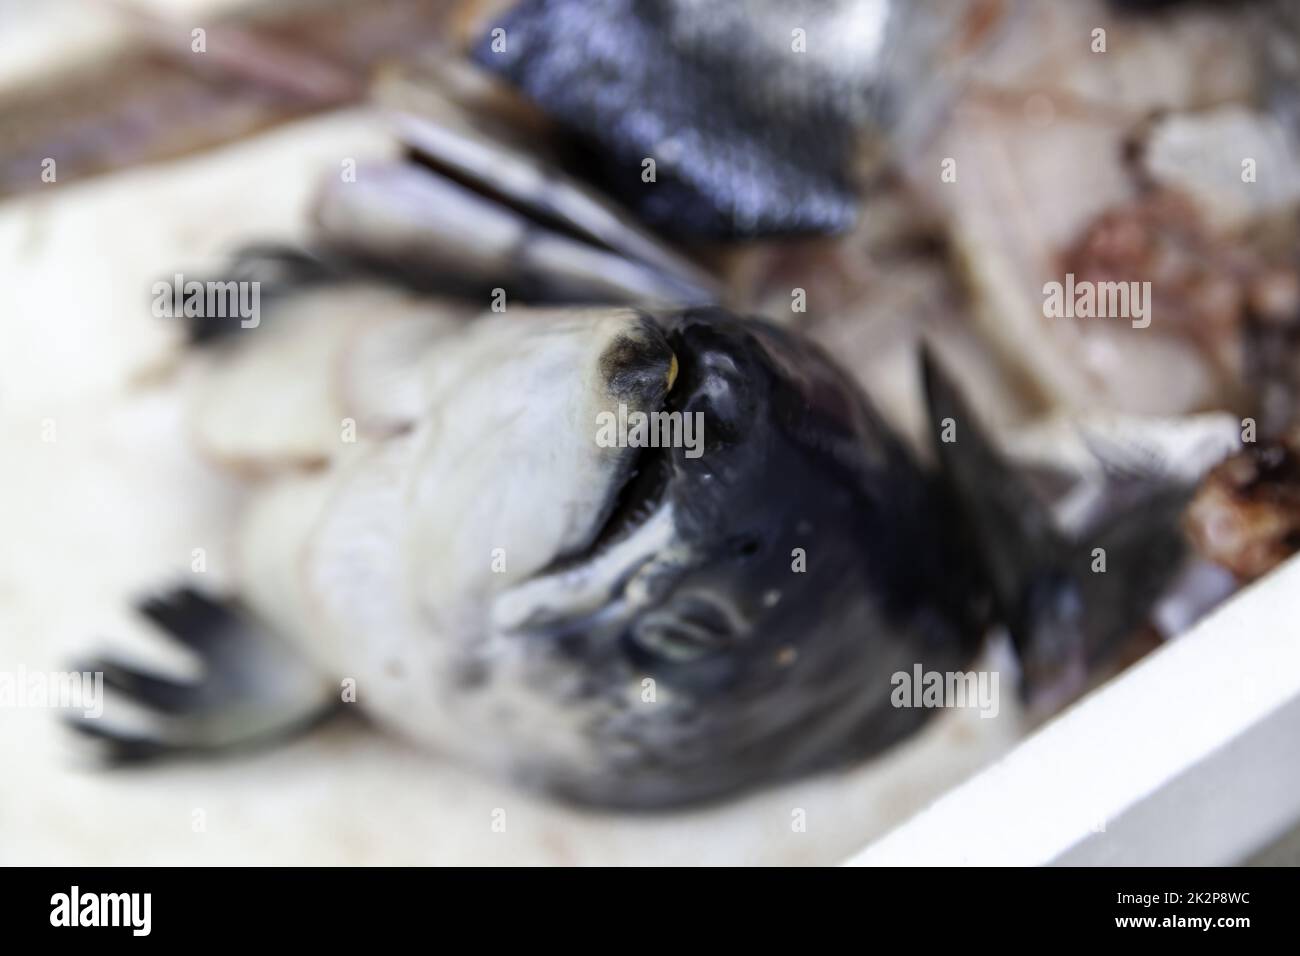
{"x": 738, "y": 604}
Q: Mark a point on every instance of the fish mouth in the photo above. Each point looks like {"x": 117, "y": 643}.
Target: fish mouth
{"x": 633, "y": 532}
{"x": 637, "y": 495}
{"x": 636, "y": 492}
{"x": 638, "y": 488}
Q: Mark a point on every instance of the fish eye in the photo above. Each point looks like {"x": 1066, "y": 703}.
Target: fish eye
{"x": 686, "y": 630}
{"x": 671, "y": 643}
{"x": 746, "y": 546}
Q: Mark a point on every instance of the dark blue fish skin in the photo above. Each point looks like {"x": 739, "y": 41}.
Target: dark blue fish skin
{"x": 748, "y": 158}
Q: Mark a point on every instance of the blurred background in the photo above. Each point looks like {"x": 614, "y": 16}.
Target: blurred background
{"x": 870, "y": 172}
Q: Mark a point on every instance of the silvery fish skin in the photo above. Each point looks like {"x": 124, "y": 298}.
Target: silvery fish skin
{"x": 751, "y": 135}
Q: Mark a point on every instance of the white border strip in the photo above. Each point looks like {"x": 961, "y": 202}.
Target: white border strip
{"x": 1191, "y": 756}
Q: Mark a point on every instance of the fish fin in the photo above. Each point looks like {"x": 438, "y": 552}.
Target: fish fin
{"x": 1079, "y": 622}
{"x": 253, "y": 689}
{"x": 1138, "y": 530}
{"x": 1143, "y": 548}
{"x": 1126, "y": 462}
{"x": 1014, "y": 533}
{"x": 1065, "y": 617}
{"x": 280, "y": 270}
